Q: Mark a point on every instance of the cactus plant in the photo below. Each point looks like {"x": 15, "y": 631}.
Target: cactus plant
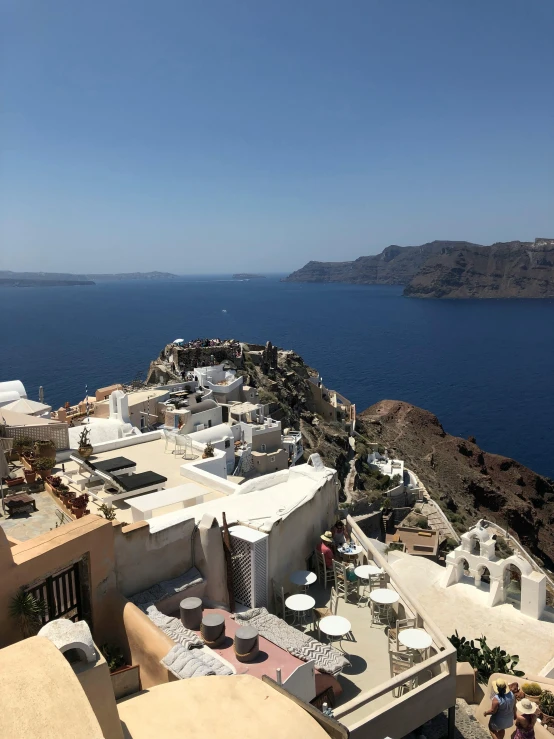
{"x": 486, "y": 660}
{"x": 531, "y": 689}
{"x": 546, "y": 702}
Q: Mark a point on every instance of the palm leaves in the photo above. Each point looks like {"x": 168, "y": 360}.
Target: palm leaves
{"x": 28, "y": 612}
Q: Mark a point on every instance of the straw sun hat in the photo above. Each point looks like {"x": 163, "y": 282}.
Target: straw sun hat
{"x": 327, "y": 536}
{"x": 525, "y": 706}
{"x": 499, "y": 685}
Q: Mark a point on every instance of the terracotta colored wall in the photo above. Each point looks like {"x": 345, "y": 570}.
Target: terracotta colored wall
{"x": 30, "y": 561}
{"x": 142, "y": 642}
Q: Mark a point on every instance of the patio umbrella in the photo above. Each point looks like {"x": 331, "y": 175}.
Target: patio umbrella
{"x": 179, "y": 341}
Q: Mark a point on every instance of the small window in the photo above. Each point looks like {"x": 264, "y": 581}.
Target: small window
{"x": 209, "y": 424}
{"x": 272, "y": 459}
{"x": 227, "y": 443}
{"x": 263, "y": 447}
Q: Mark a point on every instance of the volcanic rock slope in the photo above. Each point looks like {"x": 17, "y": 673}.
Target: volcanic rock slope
{"x": 468, "y": 482}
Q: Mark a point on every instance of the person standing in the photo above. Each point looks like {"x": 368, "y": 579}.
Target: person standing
{"x": 526, "y": 718}
{"x": 502, "y": 710}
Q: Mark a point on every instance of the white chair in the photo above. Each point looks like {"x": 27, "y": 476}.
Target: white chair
{"x": 183, "y": 441}
{"x": 393, "y": 632}
{"x": 169, "y": 439}
{"x": 401, "y": 662}
{"x": 325, "y": 574}
{"x": 343, "y": 586}
{"x": 279, "y": 598}
{"x": 324, "y": 611}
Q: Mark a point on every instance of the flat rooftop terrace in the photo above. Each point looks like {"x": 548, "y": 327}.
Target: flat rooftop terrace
{"x": 148, "y": 456}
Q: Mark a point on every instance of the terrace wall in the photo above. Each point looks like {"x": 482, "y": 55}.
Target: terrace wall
{"x": 89, "y": 539}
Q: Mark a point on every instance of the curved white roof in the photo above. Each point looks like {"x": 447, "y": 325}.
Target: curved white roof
{"x": 16, "y": 385}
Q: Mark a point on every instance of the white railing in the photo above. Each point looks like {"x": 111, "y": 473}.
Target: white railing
{"x": 438, "y": 692}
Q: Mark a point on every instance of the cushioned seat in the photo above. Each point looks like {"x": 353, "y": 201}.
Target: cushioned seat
{"x": 111, "y": 465}
{"x": 139, "y": 481}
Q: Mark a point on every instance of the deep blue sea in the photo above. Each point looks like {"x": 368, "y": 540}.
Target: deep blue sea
{"x": 483, "y": 367}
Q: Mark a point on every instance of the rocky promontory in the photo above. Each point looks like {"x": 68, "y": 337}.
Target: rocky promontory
{"x": 468, "y": 482}
{"x": 449, "y": 269}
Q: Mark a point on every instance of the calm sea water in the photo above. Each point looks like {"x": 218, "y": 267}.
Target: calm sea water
{"x": 483, "y": 367}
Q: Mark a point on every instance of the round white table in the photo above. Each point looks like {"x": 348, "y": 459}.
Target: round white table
{"x": 335, "y": 627}
{"x": 355, "y": 550}
{"x": 303, "y": 578}
{"x": 381, "y": 599}
{"x": 364, "y": 572}
{"x": 417, "y": 639}
{"x": 301, "y": 605}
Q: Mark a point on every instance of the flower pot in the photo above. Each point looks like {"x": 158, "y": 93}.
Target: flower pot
{"x": 85, "y": 451}
{"x": 45, "y": 448}
{"x": 533, "y": 698}
{"x": 44, "y": 474}
{"x": 30, "y": 476}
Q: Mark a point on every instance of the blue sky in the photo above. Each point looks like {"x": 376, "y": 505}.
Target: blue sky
{"x": 223, "y": 135}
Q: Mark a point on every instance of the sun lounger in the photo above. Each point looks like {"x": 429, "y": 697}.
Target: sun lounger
{"x": 125, "y": 486}
{"x": 115, "y": 466}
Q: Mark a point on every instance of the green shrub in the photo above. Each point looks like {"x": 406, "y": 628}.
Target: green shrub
{"x": 450, "y": 544}
{"x": 484, "y": 659}
{"x": 546, "y": 703}
{"x": 533, "y": 689}
{"x": 421, "y": 522}
{"x": 114, "y": 656}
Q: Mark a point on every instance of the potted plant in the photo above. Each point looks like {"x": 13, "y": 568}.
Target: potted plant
{"x": 30, "y": 476}
{"x": 43, "y": 465}
{"x": 209, "y": 451}
{"x": 125, "y": 678}
{"x": 23, "y": 444}
{"x": 44, "y": 448}
{"x": 85, "y": 447}
{"x": 546, "y": 705}
{"x": 532, "y": 691}
{"x": 28, "y": 612}
{"x": 79, "y": 505}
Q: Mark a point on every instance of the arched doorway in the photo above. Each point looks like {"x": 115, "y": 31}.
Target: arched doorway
{"x": 512, "y": 585}
{"x": 464, "y": 574}
{"x": 485, "y": 578}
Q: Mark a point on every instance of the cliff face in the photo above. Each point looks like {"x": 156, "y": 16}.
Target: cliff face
{"x": 449, "y": 269}
{"x": 507, "y": 270}
{"x": 468, "y": 482}
{"x": 395, "y": 265}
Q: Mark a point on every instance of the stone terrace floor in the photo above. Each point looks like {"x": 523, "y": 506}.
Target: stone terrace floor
{"x": 25, "y": 526}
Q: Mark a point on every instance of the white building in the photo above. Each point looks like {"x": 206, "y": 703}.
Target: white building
{"x": 223, "y": 382}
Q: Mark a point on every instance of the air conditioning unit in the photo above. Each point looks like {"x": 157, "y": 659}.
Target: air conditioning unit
{"x": 250, "y": 566}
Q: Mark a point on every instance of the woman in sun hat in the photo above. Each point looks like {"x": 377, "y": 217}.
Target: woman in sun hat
{"x": 326, "y": 547}
{"x": 526, "y": 718}
{"x": 502, "y": 710}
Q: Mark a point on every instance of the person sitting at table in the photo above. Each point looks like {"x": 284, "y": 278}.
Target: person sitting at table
{"x": 340, "y": 534}
{"x": 326, "y": 547}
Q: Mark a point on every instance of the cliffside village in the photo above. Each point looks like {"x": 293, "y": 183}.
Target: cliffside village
{"x": 174, "y": 546}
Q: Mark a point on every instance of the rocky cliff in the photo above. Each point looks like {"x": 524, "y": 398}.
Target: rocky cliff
{"x": 395, "y": 265}
{"x": 468, "y": 482}
{"x": 507, "y": 270}
{"x": 449, "y": 269}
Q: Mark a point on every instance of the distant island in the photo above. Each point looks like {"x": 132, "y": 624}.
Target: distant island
{"x": 449, "y": 269}
{"x": 248, "y": 276}
{"x": 60, "y": 279}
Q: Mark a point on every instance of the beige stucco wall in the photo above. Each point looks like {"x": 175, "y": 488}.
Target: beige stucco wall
{"x": 265, "y": 462}
{"x": 144, "y": 559}
{"x": 32, "y": 560}
{"x": 271, "y": 437}
{"x": 96, "y": 682}
{"x": 236, "y": 707}
{"x": 293, "y": 539}
{"x": 323, "y": 407}
{"x": 40, "y": 696}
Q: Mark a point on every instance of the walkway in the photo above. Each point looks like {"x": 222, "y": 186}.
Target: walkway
{"x": 435, "y": 516}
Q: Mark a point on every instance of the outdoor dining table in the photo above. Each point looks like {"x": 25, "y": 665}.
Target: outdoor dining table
{"x": 300, "y": 604}
{"x": 415, "y": 639}
{"x": 350, "y": 551}
{"x": 303, "y": 578}
{"x": 381, "y": 599}
{"x": 364, "y": 573}
{"x": 335, "y": 627}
